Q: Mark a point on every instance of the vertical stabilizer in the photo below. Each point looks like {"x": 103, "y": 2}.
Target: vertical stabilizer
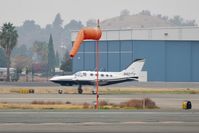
{"x": 135, "y": 68}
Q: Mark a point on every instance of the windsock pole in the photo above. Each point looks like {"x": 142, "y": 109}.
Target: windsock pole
{"x": 97, "y": 70}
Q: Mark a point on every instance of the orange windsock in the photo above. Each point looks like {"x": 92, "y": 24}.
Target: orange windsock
{"x": 83, "y": 34}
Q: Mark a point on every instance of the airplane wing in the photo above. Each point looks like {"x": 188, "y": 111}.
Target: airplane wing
{"x": 70, "y": 82}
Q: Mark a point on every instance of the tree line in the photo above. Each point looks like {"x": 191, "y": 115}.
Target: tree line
{"x": 8, "y": 41}
{"x": 176, "y": 20}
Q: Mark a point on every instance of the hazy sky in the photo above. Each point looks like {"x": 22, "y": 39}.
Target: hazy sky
{"x": 44, "y": 11}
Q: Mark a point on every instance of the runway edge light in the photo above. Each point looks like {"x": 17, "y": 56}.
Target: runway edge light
{"x": 186, "y": 105}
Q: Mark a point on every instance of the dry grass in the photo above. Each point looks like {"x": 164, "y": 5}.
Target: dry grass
{"x": 150, "y": 104}
{"x": 86, "y": 105}
{"x": 68, "y": 102}
{"x": 39, "y": 106}
{"x": 47, "y": 102}
{"x": 139, "y": 104}
{"x": 102, "y": 90}
{"x": 103, "y": 103}
{"x": 130, "y": 104}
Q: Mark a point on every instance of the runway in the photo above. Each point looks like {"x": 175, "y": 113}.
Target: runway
{"x": 101, "y": 121}
{"x": 164, "y": 101}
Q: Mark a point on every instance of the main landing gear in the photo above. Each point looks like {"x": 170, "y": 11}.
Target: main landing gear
{"x": 80, "y": 90}
{"x": 94, "y": 90}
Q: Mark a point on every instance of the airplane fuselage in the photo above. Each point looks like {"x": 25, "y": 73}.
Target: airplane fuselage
{"x": 89, "y": 78}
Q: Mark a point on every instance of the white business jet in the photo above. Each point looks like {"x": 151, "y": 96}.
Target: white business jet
{"x": 131, "y": 73}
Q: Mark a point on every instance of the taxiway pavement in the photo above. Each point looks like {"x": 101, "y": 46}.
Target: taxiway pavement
{"x": 125, "y": 84}
{"x": 147, "y": 121}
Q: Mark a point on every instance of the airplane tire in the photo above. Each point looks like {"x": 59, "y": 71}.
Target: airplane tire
{"x": 60, "y": 91}
{"x": 80, "y": 91}
{"x": 93, "y": 92}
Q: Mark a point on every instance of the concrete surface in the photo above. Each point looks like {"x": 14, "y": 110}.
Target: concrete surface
{"x": 102, "y": 121}
{"x": 125, "y": 84}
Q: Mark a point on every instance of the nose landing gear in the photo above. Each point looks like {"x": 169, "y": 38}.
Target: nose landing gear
{"x": 94, "y": 90}
{"x": 80, "y": 90}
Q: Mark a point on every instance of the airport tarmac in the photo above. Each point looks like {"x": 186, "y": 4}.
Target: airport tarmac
{"x": 150, "y": 121}
{"x": 164, "y": 101}
{"x": 169, "y": 118}
{"x": 125, "y": 84}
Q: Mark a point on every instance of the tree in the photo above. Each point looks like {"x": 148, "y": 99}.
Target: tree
{"x": 190, "y": 23}
{"x": 73, "y": 25}
{"x": 20, "y": 62}
{"x": 145, "y": 12}
{"x": 177, "y": 20}
{"x": 124, "y": 12}
{"x": 2, "y": 58}
{"x": 40, "y": 52}
{"x": 8, "y": 40}
{"x": 51, "y": 56}
{"x": 66, "y": 63}
{"x": 57, "y": 21}
{"x": 57, "y": 59}
{"x": 29, "y": 32}
{"x": 22, "y": 51}
{"x": 91, "y": 23}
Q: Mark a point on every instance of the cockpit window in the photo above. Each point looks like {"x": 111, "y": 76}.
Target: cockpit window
{"x": 78, "y": 74}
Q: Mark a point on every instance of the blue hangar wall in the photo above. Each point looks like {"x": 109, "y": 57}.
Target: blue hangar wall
{"x": 172, "y": 61}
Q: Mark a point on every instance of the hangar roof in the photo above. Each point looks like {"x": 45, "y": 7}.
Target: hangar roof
{"x": 172, "y": 33}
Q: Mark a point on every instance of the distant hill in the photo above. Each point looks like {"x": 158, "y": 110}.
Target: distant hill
{"x": 144, "y": 19}
{"x": 135, "y": 21}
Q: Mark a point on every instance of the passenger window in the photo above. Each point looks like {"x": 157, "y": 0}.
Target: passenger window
{"x": 91, "y": 74}
{"x": 102, "y": 75}
{"x": 84, "y": 74}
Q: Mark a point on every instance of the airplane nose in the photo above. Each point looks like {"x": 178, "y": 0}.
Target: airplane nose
{"x": 52, "y": 79}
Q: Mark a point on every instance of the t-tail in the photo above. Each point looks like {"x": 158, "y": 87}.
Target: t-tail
{"x": 134, "y": 69}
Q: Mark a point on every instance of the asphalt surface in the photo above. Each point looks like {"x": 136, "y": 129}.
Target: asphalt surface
{"x": 164, "y": 101}
{"x": 101, "y": 121}
{"x": 170, "y": 118}
{"x": 125, "y": 84}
